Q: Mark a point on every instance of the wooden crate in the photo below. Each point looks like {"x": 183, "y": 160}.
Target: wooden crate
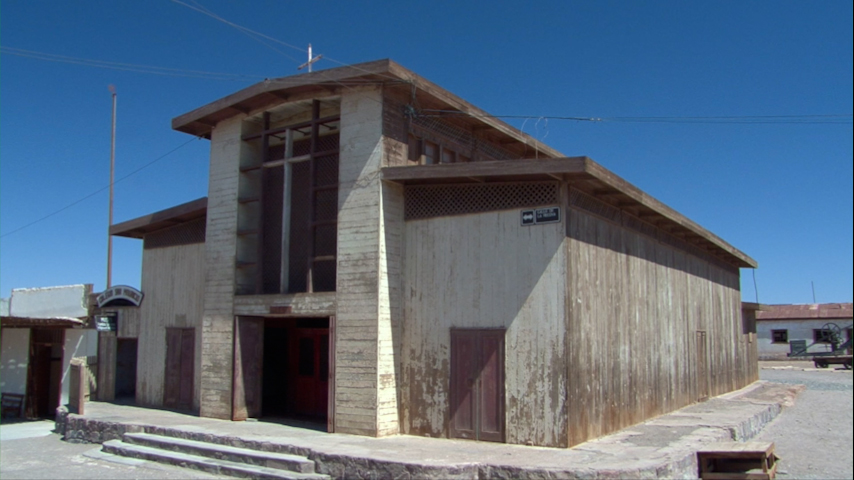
{"x": 733, "y": 460}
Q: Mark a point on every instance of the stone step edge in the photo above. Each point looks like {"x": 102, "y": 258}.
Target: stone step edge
{"x": 281, "y": 461}
{"x": 205, "y": 464}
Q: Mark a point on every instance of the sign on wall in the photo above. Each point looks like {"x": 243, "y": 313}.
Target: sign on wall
{"x": 107, "y": 323}
{"x": 540, "y": 215}
{"x": 120, "y": 295}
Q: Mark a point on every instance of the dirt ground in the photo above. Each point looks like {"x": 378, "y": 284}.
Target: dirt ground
{"x": 814, "y": 436}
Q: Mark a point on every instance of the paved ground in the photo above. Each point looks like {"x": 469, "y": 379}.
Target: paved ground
{"x": 814, "y": 436}
{"x": 30, "y": 450}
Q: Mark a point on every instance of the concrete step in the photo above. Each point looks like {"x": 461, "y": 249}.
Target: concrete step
{"x": 258, "y": 458}
{"x": 205, "y": 464}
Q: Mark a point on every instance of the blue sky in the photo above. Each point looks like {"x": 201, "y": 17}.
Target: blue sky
{"x": 781, "y": 191}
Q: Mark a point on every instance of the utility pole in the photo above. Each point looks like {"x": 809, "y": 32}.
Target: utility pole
{"x": 112, "y": 180}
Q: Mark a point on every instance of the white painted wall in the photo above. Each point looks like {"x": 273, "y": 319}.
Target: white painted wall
{"x": 4, "y": 306}
{"x": 64, "y": 301}
{"x": 78, "y": 343}
{"x": 14, "y": 359}
{"x": 798, "y": 330}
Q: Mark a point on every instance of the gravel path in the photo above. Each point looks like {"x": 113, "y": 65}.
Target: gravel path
{"x": 814, "y": 437}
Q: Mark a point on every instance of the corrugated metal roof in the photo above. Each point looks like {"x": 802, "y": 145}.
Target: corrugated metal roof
{"x": 806, "y": 311}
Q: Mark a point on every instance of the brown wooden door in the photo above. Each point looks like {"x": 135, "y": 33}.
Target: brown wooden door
{"x": 180, "y": 356}
{"x": 248, "y": 367}
{"x": 702, "y": 367}
{"x": 311, "y": 364}
{"x": 477, "y": 384}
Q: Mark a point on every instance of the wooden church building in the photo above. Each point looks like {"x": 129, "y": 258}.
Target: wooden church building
{"x": 379, "y": 255}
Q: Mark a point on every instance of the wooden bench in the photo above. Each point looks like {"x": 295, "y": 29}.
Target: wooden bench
{"x": 733, "y": 460}
{"x": 11, "y": 405}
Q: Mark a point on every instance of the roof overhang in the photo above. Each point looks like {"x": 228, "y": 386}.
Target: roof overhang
{"x": 256, "y": 98}
{"x": 29, "y": 322}
{"x": 141, "y": 226}
{"x": 586, "y": 175}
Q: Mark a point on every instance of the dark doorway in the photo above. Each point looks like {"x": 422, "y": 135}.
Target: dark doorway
{"x": 477, "y": 384}
{"x": 126, "y": 368}
{"x": 180, "y": 356}
{"x": 44, "y": 374}
{"x": 282, "y": 368}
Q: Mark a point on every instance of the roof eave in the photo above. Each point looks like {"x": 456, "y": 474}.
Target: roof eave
{"x": 141, "y": 226}
{"x": 565, "y": 169}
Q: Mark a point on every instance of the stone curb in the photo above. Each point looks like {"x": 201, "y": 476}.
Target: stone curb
{"x": 676, "y": 461}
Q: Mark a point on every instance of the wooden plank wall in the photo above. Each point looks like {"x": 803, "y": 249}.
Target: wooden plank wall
{"x": 357, "y": 330}
{"x": 635, "y": 306}
{"x": 217, "y": 340}
{"x": 390, "y": 310}
{"x": 486, "y": 271}
{"x": 173, "y": 281}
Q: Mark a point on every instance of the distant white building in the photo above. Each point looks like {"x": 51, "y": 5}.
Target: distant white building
{"x": 42, "y": 330}
{"x": 778, "y": 325}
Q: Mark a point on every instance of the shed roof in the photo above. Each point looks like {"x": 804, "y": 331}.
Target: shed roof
{"x": 586, "y": 175}
{"x": 807, "y": 311}
{"x": 141, "y": 226}
{"x": 28, "y": 322}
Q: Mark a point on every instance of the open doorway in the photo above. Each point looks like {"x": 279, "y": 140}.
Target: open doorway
{"x": 283, "y": 371}
{"x": 44, "y": 374}
{"x": 126, "y": 369}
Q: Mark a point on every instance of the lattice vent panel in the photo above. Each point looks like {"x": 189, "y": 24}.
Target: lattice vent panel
{"x": 184, "y": 234}
{"x": 446, "y": 200}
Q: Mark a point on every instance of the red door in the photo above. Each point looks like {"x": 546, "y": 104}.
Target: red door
{"x": 311, "y": 364}
{"x": 477, "y": 384}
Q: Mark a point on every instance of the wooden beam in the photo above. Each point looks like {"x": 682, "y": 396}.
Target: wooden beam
{"x": 485, "y": 169}
{"x": 139, "y": 226}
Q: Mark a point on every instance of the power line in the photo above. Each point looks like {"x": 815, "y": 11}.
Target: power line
{"x": 170, "y": 152}
{"x": 255, "y": 34}
{"x": 839, "y": 119}
{"x": 131, "y": 67}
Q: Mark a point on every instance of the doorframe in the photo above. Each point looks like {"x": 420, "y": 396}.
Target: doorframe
{"x": 478, "y": 399}
{"x": 330, "y": 407}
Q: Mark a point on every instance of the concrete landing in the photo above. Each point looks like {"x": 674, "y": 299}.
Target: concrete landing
{"x": 663, "y": 447}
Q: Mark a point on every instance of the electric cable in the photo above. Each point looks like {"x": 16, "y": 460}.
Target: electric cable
{"x": 134, "y": 172}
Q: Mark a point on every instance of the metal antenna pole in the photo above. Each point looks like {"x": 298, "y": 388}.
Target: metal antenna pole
{"x": 112, "y": 180}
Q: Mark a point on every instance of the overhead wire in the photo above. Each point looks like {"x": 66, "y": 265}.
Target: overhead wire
{"x": 82, "y": 199}
{"x": 258, "y": 35}
{"x": 131, "y": 67}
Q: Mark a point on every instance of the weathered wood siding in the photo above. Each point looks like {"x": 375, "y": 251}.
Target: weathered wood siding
{"x": 486, "y": 271}
{"x": 390, "y": 310}
{"x": 173, "y": 280}
{"x": 635, "y": 306}
{"x": 357, "y": 329}
{"x": 217, "y": 341}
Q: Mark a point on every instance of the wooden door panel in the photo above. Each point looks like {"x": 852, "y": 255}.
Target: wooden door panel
{"x": 312, "y": 371}
{"x": 188, "y": 355}
{"x": 172, "y": 377}
{"x": 463, "y": 391}
{"x": 477, "y": 384}
{"x": 491, "y": 387}
{"x": 248, "y": 363}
